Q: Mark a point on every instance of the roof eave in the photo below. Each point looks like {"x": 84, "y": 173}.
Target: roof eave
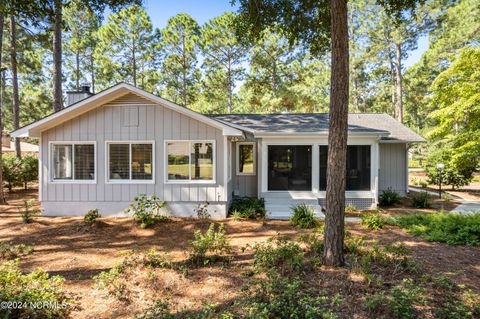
{"x": 35, "y": 129}
{"x": 315, "y": 134}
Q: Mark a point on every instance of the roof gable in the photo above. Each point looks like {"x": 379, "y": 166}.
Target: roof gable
{"x": 116, "y": 94}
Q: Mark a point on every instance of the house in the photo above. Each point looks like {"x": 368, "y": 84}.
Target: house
{"x": 8, "y": 146}
{"x": 104, "y": 149}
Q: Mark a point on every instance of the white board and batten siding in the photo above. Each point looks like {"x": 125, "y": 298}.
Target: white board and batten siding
{"x": 393, "y": 167}
{"x": 131, "y": 118}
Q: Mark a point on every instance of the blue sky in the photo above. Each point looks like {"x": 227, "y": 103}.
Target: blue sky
{"x": 161, "y": 10}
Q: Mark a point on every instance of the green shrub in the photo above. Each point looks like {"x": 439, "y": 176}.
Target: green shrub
{"x": 350, "y": 209}
{"x": 9, "y": 251}
{"x": 155, "y": 259}
{"x": 388, "y": 197}
{"x": 19, "y": 171}
{"x": 207, "y": 247}
{"x": 284, "y": 297}
{"x": 421, "y": 200}
{"x": 373, "y": 221}
{"x": 450, "y": 228}
{"x": 32, "y": 288}
{"x": 303, "y": 216}
{"x": 92, "y": 216}
{"x": 400, "y": 302}
{"x": 248, "y": 207}
{"x": 314, "y": 243}
{"x": 458, "y": 169}
{"x": 278, "y": 253}
{"x": 28, "y": 212}
{"x": 146, "y": 210}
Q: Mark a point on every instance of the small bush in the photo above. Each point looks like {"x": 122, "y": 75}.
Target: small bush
{"x": 400, "y": 302}
{"x": 373, "y": 221}
{"x": 35, "y": 287}
{"x": 146, "y": 210}
{"x": 153, "y": 258}
{"x": 28, "y": 212}
{"x": 303, "y": 216}
{"x": 450, "y": 228}
{"x": 282, "y": 255}
{"x": 9, "y": 251}
{"x": 388, "y": 197}
{"x": 248, "y": 207}
{"x": 207, "y": 247}
{"x": 421, "y": 200}
{"x": 92, "y": 216}
{"x": 350, "y": 209}
{"x": 19, "y": 171}
{"x": 284, "y": 297}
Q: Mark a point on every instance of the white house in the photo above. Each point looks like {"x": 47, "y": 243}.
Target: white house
{"x": 104, "y": 149}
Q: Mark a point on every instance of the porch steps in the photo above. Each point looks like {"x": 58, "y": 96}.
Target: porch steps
{"x": 281, "y": 207}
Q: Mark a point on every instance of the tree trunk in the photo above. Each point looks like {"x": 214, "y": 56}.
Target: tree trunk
{"x": 92, "y": 73}
{"x": 77, "y": 69}
{"x": 392, "y": 86}
{"x": 337, "y": 137}
{"x": 398, "y": 72}
{"x": 230, "y": 87}
{"x": 57, "y": 57}
{"x": 16, "y": 99}
{"x": 2, "y": 194}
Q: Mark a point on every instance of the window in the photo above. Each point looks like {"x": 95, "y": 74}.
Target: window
{"x": 130, "y": 161}
{"x": 246, "y": 158}
{"x": 358, "y": 167}
{"x": 190, "y": 161}
{"x": 289, "y": 167}
{"x": 73, "y": 161}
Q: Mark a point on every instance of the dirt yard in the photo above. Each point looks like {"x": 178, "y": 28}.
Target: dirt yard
{"x": 66, "y": 246}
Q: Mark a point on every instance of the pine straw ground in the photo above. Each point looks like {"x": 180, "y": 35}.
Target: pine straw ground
{"x": 66, "y": 246}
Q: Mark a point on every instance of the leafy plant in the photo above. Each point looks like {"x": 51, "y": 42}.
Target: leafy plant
{"x": 388, "y": 197}
{"x": 278, "y": 253}
{"x": 303, "y": 216}
{"x": 206, "y": 247}
{"x": 18, "y": 171}
{"x": 350, "y": 209}
{"x": 28, "y": 212}
{"x": 35, "y": 287}
{"x": 146, "y": 210}
{"x": 91, "y": 216}
{"x": 421, "y": 200}
{"x": 284, "y": 297}
{"x": 373, "y": 221}
{"x": 400, "y": 302}
{"x": 202, "y": 211}
{"x": 450, "y": 228}
{"x": 9, "y": 251}
{"x": 248, "y": 207}
{"x": 153, "y": 258}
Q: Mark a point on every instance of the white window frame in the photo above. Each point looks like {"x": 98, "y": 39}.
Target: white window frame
{"x": 51, "y": 178}
{"x": 191, "y": 181}
{"x": 130, "y": 180}
{"x": 237, "y": 155}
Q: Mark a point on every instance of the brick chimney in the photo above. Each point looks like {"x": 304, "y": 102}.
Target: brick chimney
{"x": 82, "y": 93}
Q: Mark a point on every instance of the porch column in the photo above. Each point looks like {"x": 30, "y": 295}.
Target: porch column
{"x": 315, "y": 168}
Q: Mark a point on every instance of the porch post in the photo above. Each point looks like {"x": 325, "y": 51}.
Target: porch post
{"x": 315, "y": 168}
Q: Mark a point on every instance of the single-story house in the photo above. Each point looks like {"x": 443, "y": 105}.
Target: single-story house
{"x": 104, "y": 149}
{"x": 8, "y": 146}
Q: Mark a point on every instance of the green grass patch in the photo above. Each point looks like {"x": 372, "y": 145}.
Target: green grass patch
{"x": 451, "y": 228}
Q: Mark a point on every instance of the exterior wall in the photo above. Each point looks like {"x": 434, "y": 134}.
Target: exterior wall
{"x": 393, "y": 167}
{"x": 244, "y": 185}
{"x": 156, "y": 123}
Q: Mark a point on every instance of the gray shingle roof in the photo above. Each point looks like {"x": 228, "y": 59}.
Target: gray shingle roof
{"x": 358, "y": 123}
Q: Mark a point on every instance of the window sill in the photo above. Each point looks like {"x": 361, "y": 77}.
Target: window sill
{"x": 246, "y": 174}
{"x": 130, "y": 182}
{"x": 189, "y": 182}
{"x": 73, "y": 182}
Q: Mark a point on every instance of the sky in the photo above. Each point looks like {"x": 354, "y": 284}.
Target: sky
{"x": 203, "y": 10}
